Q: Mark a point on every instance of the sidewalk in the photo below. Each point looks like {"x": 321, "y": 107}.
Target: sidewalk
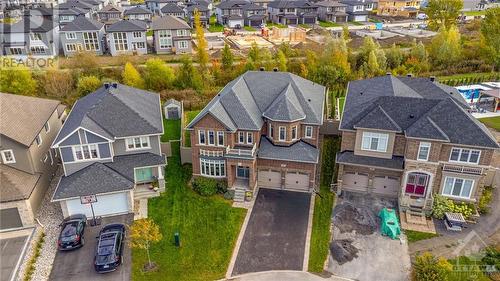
{"x": 284, "y": 276}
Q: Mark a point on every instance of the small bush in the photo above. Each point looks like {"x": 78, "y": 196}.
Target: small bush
{"x": 443, "y": 205}
{"x": 222, "y": 187}
{"x": 485, "y": 200}
{"x": 30, "y": 268}
{"x": 229, "y": 195}
{"x": 430, "y": 268}
{"x": 205, "y": 186}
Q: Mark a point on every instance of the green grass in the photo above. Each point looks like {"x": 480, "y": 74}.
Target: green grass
{"x": 493, "y": 122}
{"x": 414, "y": 236}
{"x": 208, "y": 228}
{"x": 474, "y": 13}
{"x": 172, "y": 130}
{"x": 356, "y": 23}
{"x": 278, "y": 25}
{"x": 190, "y": 115}
{"x": 30, "y": 268}
{"x": 214, "y": 26}
{"x": 249, "y": 28}
{"x": 328, "y": 24}
{"x": 149, "y": 33}
{"x": 320, "y": 236}
{"x": 467, "y": 75}
{"x": 304, "y": 25}
{"x": 472, "y": 273}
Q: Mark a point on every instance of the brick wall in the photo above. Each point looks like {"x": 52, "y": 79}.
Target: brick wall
{"x": 285, "y": 166}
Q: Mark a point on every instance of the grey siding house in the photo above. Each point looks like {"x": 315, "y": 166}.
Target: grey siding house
{"x": 83, "y": 34}
{"x": 171, "y": 35}
{"x": 138, "y": 13}
{"x": 110, "y": 148}
{"x": 110, "y": 14}
{"x": 331, "y": 10}
{"x": 172, "y": 9}
{"x": 204, "y": 14}
{"x": 27, "y": 164}
{"x": 290, "y": 12}
{"x": 29, "y": 38}
{"x": 230, "y": 13}
{"x": 127, "y": 37}
{"x": 358, "y": 10}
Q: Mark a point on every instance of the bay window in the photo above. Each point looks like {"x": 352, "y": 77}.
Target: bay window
{"x": 423, "y": 151}
{"x": 374, "y": 141}
{"x": 294, "y": 132}
{"x": 464, "y": 155}
{"x": 137, "y": 143}
{"x": 271, "y": 131}
{"x": 458, "y": 187}
{"x": 85, "y": 152}
{"x": 282, "y": 134}
{"x": 212, "y": 168}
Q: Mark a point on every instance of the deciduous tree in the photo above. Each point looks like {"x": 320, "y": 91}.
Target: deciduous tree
{"x": 201, "y": 43}
{"x": 281, "y": 61}
{"x": 429, "y": 268}
{"x": 188, "y": 76}
{"x": 227, "y": 57}
{"x": 490, "y": 33}
{"x": 57, "y": 83}
{"x": 87, "y": 84}
{"x": 394, "y": 56}
{"x": 158, "y": 75}
{"x": 445, "y": 48}
{"x": 17, "y": 80}
{"x": 443, "y": 12}
{"x": 132, "y": 77}
{"x": 143, "y": 233}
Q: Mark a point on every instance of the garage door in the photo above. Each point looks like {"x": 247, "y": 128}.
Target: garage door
{"x": 309, "y": 20}
{"x": 10, "y": 218}
{"x": 173, "y": 113}
{"x": 360, "y": 18}
{"x": 269, "y": 178}
{"x": 106, "y": 205}
{"x": 297, "y": 181}
{"x": 355, "y": 181}
{"x": 386, "y": 185}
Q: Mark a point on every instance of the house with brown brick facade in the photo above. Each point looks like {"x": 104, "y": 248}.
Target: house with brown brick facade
{"x": 262, "y": 129}
{"x": 412, "y": 138}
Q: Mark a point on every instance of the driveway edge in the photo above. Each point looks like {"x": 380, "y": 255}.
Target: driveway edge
{"x": 240, "y": 237}
{"x": 307, "y": 246}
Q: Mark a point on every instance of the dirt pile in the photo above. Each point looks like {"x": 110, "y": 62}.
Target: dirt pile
{"x": 348, "y": 218}
{"x": 343, "y": 251}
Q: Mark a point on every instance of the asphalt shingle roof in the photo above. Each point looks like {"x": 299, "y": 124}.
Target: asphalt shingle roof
{"x": 115, "y": 112}
{"x": 27, "y": 25}
{"x": 243, "y": 101}
{"x": 420, "y": 107}
{"x": 281, "y": 4}
{"x": 16, "y": 184}
{"x": 82, "y": 23}
{"x": 199, "y": 7}
{"x": 232, "y": 4}
{"x": 137, "y": 11}
{"x": 169, "y": 22}
{"x": 107, "y": 177}
{"x": 127, "y": 25}
{"x": 348, "y": 157}
{"x": 297, "y": 152}
{"x": 171, "y": 8}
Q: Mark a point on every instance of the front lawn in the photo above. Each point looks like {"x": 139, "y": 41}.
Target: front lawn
{"x": 214, "y": 26}
{"x": 208, "y": 228}
{"x": 190, "y": 115}
{"x": 493, "y": 122}
{"x": 323, "y": 205}
{"x": 473, "y": 272}
{"x": 171, "y": 130}
{"x": 475, "y": 13}
{"x": 278, "y": 25}
{"x": 249, "y": 28}
{"x": 414, "y": 236}
{"x": 328, "y": 24}
{"x": 356, "y": 23}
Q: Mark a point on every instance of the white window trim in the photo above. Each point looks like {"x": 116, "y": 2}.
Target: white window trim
{"x": 305, "y": 132}
{"x": 70, "y": 38}
{"x": 132, "y": 139}
{"x": 220, "y": 133}
{"x": 240, "y": 136}
{"x": 4, "y": 159}
{"x": 370, "y": 136}
{"x": 41, "y": 140}
{"x": 213, "y": 133}
{"x": 249, "y": 138}
{"x": 270, "y": 131}
{"x": 453, "y": 185}
{"x": 424, "y": 145}
{"x": 200, "y": 132}
{"x": 75, "y": 159}
{"x": 279, "y": 133}
{"x": 220, "y": 163}
{"x": 460, "y": 155}
{"x": 296, "y": 133}
{"x": 47, "y": 127}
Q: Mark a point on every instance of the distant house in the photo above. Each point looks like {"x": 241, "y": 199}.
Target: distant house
{"x": 292, "y": 12}
{"x": 230, "y": 13}
{"x": 254, "y": 15}
{"x": 332, "y": 10}
{"x": 127, "y": 37}
{"x": 400, "y": 8}
{"x": 29, "y": 38}
{"x": 155, "y": 6}
{"x": 110, "y": 148}
{"x": 358, "y": 10}
{"x": 204, "y": 14}
{"x": 172, "y": 109}
{"x": 82, "y": 34}
{"x": 68, "y": 15}
{"x": 138, "y": 13}
{"x": 27, "y": 164}
{"x": 110, "y": 14}
{"x": 171, "y": 35}
{"x": 172, "y": 9}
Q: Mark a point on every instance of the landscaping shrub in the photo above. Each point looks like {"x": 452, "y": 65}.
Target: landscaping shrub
{"x": 430, "y": 268}
{"x": 443, "y": 205}
{"x": 205, "y": 186}
{"x": 485, "y": 200}
{"x": 221, "y": 187}
{"x": 229, "y": 195}
{"x": 492, "y": 258}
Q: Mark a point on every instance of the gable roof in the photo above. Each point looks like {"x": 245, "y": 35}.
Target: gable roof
{"x": 27, "y": 25}
{"x": 115, "y": 112}
{"x": 82, "y": 23}
{"x": 419, "y": 107}
{"x": 244, "y": 102}
{"x": 110, "y": 8}
{"x": 330, "y": 3}
{"x": 127, "y": 25}
{"x": 232, "y": 3}
{"x": 137, "y": 10}
{"x": 169, "y": 22}
{"x": 290, "y": 4}
{"x": 16, "y": 184}
{"x": 199, "y": 7}
{"x": 171, "y": 8}
{"x": 22, "y": 117}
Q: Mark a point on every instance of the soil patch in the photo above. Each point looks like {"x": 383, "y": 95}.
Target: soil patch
{"x": 343, "y": 251}
{"x": 349, "y": 218}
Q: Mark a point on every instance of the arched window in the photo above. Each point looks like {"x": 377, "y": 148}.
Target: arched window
{"x": 416, "y": 184}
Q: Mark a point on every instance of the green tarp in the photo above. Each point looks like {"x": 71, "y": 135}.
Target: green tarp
{"x": 389, "y": 225}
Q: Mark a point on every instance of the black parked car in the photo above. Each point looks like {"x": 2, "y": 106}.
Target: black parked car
{"x": 109, "y": 252}
{"x": 72, "y": 229}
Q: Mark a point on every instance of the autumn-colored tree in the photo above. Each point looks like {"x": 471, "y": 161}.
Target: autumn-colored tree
{"x": 429, "y": 268}
{"x": 201, "y": 43}
{"x": 158, "y": 75}
{"x": 227, "y": 57}
{"x": 87, "y": 62}
{"x": 303, "y": 70}
{"x": 17, "y": 80}
{"x": 87, "y": 84}
{"x": 490, "y": 35}
{"x": 394, "y": 57}
{"x": 57, "y": 83}
{"x": 281, "y": 61}
{"x": 371, "y": 68}
{"x": 445, "y": 48}
{"x": 345, "y": 33}
{"x": 188, "y": 76}
{"x": 132, "y": 77}
{"x": 443, "y": 12}
{"x": 143, "y": 233}
{"x": 254, "y": 53}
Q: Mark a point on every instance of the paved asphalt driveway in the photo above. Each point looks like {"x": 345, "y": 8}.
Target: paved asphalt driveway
{"x": 11, "y": 250}
{"x": 79, "y": 264}
{"x": 275, "y": 236}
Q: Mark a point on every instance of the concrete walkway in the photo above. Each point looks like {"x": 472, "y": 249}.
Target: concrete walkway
{"x": 285, "y": 275}
{"x": 450, "y": 244}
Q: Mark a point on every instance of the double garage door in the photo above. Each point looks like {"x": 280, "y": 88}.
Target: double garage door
{"x": 293, "y": 180}
{"x": 381, "y": 184}
{"x": 106, "y": 205}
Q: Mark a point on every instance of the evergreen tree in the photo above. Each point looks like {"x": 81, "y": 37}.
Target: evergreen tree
{"x": 227, "y": 57}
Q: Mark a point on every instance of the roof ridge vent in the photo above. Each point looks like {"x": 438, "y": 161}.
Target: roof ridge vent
{"x": 433, "y": 78}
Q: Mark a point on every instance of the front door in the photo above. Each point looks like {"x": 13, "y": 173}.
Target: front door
{"x": 143, "y": 175}
{"x": 242, "y": 172}
{"x": 417, "y": 184}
